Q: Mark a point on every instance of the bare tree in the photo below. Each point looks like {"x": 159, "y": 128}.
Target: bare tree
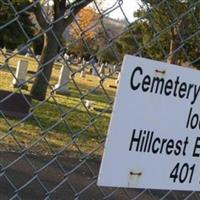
{"x": 62, "y": 15}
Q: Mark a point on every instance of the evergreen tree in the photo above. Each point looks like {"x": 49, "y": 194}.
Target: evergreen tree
{"x": 11, "y": 32}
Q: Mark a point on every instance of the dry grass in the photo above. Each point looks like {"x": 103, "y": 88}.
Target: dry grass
{"x": 80, "y": 131}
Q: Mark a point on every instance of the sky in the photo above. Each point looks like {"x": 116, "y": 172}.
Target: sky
{"x": 129, "y": 6}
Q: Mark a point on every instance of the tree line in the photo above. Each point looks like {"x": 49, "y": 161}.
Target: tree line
{"x": 163, "y": 30}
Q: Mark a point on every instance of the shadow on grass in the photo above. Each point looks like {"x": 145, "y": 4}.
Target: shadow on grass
{"x": 71, "y": 120}
{"x": 89, "y": 128}
{"x": 92, "y": 93}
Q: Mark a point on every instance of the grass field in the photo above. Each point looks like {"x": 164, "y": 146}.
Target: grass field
{"x": 61, "y": 123}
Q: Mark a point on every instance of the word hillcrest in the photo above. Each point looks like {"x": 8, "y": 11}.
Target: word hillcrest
{"x": 145, "y": 141}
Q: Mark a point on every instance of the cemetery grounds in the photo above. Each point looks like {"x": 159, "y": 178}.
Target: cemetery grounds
{"x": 86, "y": 130}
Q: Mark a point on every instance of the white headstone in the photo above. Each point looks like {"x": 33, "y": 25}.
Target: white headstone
{"x": 114, "y": 68}
{"x": 82, "y": 74}
{"x": 38, "y": 57}
{"x": 21, "y": 72}
{"x": 84, "y": 63}
{"x": 27, "y": 55}
{"x": 102, "y": 70}
{"x": 88, "y": 104}
{"x": 15, "y": 51}
{"x": 62, "y": 86}
{"x": 66, "y": 56}
{"x": 4, "y": 49}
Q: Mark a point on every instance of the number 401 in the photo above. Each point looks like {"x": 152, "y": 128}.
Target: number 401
{"x": 182, "y": 173}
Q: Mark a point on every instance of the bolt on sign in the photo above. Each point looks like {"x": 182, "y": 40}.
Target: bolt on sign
{"x": 154, "y": 134}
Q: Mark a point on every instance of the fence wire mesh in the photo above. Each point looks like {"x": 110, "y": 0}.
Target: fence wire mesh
{"x": 51, "y": 145}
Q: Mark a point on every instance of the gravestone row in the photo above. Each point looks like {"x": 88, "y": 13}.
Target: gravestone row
{"x": 18, "y": 105}
{"x": 97, "y": 68}
{"x": 62, "y": 85}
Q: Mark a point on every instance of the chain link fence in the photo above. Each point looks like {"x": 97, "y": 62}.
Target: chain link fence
{"x": 51, "y": 145}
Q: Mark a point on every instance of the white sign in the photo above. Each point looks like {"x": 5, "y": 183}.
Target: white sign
{"x": 154, "y": 134}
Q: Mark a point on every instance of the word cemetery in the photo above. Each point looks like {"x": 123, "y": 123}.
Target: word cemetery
{"x": 158, "y": 85}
